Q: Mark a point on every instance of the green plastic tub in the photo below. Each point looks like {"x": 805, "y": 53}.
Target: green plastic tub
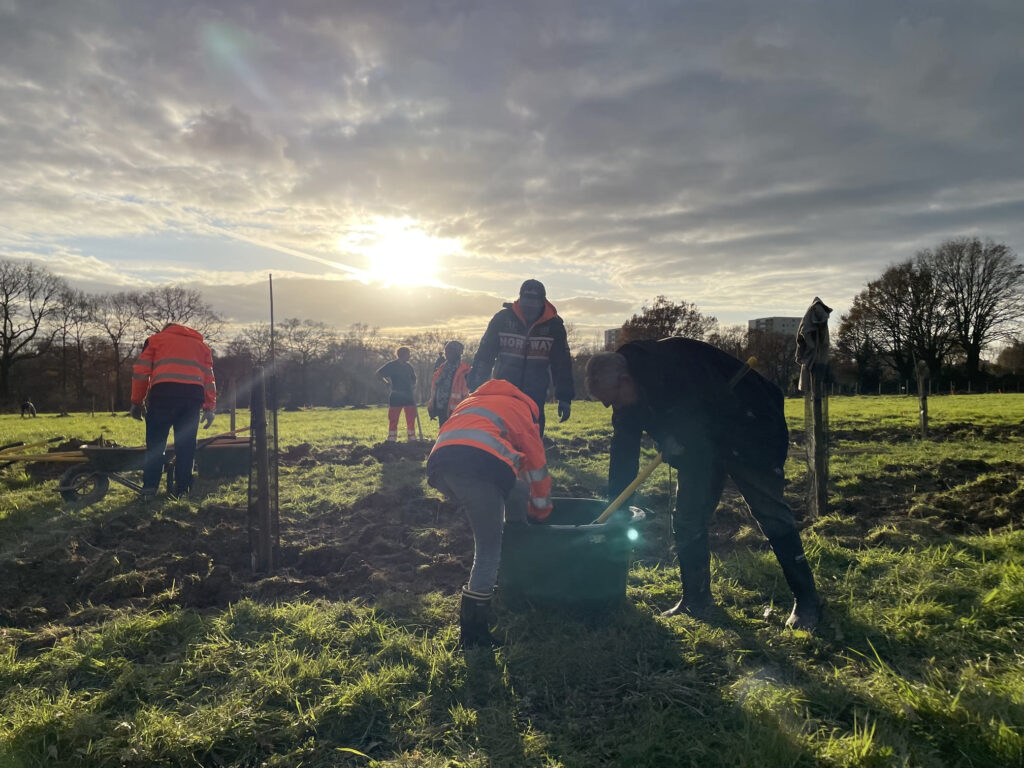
{"x": 224, "y": 458}
{"x": 568, "y": 560}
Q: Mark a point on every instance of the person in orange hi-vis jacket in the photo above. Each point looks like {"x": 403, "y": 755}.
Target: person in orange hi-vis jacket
{"x": 448, "y": 387}
{"x": 490, "y": 458}
{"x": 172, "y": 382}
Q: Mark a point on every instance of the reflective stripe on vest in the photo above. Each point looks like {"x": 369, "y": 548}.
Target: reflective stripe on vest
{"x": 491, "y": 416}
{"x": 541, "y": 503}
{"x": 481, "y": 437}
{"x": 536, "y": 475}
{"x": 184, "y": 378}
{"x": 182, "y": 361}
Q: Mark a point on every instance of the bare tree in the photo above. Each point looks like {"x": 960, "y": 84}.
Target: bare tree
{"x": 983, "y": 287}
{"x": 253, "y": 343}
{"x": 776, "y": 357}
{"x": 733, "y": 339}
{"x": 664, "y": 318}
{"x": 1011, "y": 357}
{"x": 29, "y": 295}
{"x": 71, "y": 321}
{"x": 175, "y": 304}
{"x": 115, "y": 316}
{"x": 855, "y": 344}
{"x": 306, "y": 342}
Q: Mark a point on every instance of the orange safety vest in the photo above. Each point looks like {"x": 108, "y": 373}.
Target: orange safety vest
{"x": 460, "y": 390}
{"x": 176, "y": 354}
{"x": 501, "y": 420}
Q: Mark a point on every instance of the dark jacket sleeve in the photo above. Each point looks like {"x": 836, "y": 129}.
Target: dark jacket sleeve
{"x": 486, "y": 354}
{"x": 624, "y": 460}
{"x": 561, "y": 364}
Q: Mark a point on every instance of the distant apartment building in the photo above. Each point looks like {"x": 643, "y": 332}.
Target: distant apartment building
{"x": 785, "y": 326}
{"x": 611, "y": 338}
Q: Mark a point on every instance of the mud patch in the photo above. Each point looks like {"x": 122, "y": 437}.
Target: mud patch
{"x": 304, "y": 455}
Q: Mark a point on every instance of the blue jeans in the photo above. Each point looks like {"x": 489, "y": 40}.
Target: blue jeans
{"x": 163, "y": 414}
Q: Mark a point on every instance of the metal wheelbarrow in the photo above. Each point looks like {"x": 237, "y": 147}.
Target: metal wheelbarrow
{"x": 86, "y": 483}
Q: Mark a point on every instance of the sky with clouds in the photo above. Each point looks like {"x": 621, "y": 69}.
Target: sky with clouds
{"x": 408, "y": 164}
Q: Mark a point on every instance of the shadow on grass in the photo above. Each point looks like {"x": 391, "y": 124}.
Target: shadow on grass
{"x": 623, "y": 687}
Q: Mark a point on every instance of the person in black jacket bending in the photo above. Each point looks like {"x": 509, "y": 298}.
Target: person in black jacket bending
{"x": 711, "y": 416}
{"x": 527, "y": 338}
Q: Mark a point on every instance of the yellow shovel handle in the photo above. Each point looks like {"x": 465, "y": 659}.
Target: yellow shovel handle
{"x": 641, "y": 476}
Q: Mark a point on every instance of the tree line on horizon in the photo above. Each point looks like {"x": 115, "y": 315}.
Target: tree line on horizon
{"x": 942, "y": 309}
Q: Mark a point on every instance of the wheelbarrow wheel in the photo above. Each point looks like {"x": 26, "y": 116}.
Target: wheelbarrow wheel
{"x": 82, "y": 484}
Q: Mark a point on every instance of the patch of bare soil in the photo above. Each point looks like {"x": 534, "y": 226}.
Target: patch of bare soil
{"x": 304, "y": 455}
{"x": 387, "y": 541}
{"x": 402, "y": 540}
{"x": 955, "y": 497}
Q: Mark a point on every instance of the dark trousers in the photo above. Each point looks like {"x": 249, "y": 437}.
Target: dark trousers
{"x": 701, "y": 481}
{"x": 163, "y": 414}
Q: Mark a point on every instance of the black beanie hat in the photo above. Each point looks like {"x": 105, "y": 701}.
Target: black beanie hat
{"x": 533, "y": 286}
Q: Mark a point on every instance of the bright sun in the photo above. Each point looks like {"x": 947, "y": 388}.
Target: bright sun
{"x": 398, "y": 251}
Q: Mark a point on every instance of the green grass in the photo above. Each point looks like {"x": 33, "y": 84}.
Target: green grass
{"x": 919, "y": 664}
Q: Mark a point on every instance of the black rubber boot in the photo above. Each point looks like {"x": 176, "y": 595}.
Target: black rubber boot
{"x": 807, "y": 607}
{"x": 695, "y": 575}
{"x": 474, "y": 619}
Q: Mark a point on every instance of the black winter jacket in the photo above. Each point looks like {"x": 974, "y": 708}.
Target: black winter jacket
{"x": 525, "y": 354}
{"x": 684, "y": 392}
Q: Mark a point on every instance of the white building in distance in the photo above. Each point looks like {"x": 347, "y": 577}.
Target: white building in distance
{"x": 785, "y": 326}
{"x": 611, "y": 339}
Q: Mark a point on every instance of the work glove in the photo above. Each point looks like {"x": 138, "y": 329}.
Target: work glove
{"x": 671, "y": 451}
{"x": 138, "y": 411}
{"x": 208, "y": 417}
{"x": 564, "y": 408}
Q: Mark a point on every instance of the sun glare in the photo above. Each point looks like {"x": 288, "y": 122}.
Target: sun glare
{"x": 398, "y": 251}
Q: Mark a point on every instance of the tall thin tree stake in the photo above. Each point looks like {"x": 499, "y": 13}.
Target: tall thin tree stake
{"x": 260, "y": 541}
{"x": 923, "y": 386}
{"x": 812, "y": 353}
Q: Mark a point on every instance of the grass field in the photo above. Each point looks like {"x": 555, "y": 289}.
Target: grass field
{"x": 135, "y": 634}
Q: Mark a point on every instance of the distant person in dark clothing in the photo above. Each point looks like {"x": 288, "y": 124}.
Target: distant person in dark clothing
{"x": 28, "y": 409}
{"x": 172, "y": 385}
{"x": 402, "y": 378}
{"x": 448, "y": 388}
{"x": 711, "y": 417}
{"x": 526, "y": 344}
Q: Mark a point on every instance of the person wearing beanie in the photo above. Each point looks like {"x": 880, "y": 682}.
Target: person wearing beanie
{"x": 448, "y": 387}
{"x": 525, "y": 343}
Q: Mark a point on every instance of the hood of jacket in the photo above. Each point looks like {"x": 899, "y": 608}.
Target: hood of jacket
{"x": 504, "y": 388}
{"x": 183, "y": 330}
{"x": 548, "y": 313}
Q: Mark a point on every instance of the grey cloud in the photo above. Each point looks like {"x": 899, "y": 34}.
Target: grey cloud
{"x": 618, "y": 145}
{"x": 230, "y": 134}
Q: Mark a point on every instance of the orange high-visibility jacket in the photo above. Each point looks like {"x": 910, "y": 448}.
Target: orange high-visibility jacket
{"x": 502, "y": 420}
{"x": 460, "y": 390}
{"x": 177, "y": 354}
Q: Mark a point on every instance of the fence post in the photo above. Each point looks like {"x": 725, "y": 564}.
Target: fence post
{"x": 261, "y": 527}
{"x": 819, "y": 440}
{"x": 232, "y": 401}
{"x": 923, "y": 386}
{"x": 813, "y": 355}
